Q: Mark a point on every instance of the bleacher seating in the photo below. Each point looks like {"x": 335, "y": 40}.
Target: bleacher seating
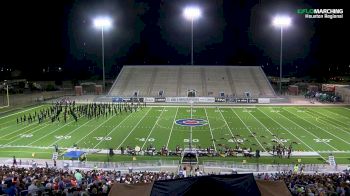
{"x": 210, "y": 81}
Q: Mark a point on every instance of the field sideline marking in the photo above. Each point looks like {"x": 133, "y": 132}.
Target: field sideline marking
{"x": 20, "y": 112}
{"x": 249, "y": 130}
{"x": 324, "y": 129}
{"x": 227, "y": 125}
{"x": 305, "y": 129}
{"x": 80, "y": 126}
{"x": 211, "y": 133}
{"x": 132, "y": 130}
{"x": 291, "y": 133}
{"x": 154, "y": 125}
{"x": 114, "y": 128}
{"x": 172, "y": 127}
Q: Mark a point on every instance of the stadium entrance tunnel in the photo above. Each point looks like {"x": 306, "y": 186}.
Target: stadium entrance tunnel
{"x": 189, "y": 158}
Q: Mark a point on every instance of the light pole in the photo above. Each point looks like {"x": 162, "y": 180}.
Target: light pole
{"x": 7, "y": 94}
{"x": 103, "y": 23}
{"x": 281, "y": 22}
{"x": 192, "y": 13}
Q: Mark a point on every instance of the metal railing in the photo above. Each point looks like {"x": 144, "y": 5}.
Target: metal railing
{"x": 223, "y": 166}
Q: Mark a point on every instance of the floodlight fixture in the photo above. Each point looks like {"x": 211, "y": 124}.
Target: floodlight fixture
{"x": 192, "y": 13}
{"x": 282, "y": 21}
{"x": 103, "y": 22}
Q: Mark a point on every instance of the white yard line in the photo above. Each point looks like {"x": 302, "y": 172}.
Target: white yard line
{"x": 306, "y": 130}
{"x": 28, "y": 125}
{"x": 18, "y": 137}
{"x": 58, "y": 128}
{"x": 132, "y": 130}
{"x": 34, "y": 123}
{"x": 249, "y": 130}
{"x": 16, "y": 124}
{"x": 191, "y": 138}
{"x": 7, "y": 122}
{"x": 211, "y": 133}
{"x": 274, "y": 135}
{"x": 104, "y": 122}
{"x": 332, "y": 117}
{"x": 69, "y": 133}
{"x": 322, "y": 129}
{"x": 25, "y": 132}
{"x": 172, "y": 127}
{"x": 327, "y": 123}
{"x": 152, "y": 128}
{"x": 338, "y": 114}
{"x": 113, "y": 129}
{"x": 290, "y": 133}
{"x": 222, "y": 116}
{"x": 21, "y": 112}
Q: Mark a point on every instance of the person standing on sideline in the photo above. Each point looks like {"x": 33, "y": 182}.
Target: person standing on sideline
{"x": 14, "y": 161}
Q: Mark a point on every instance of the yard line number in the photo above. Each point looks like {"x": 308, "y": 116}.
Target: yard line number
{"x": 322, "y": 140}
{"x": 60, "y": 137}
{"x": 144, "y": 139}
{"x": 103, "y": 138}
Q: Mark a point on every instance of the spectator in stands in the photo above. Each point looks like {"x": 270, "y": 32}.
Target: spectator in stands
{"x": 33, "y": 189}
{"x": 78, "y": 176}
{"x": 52, "y": 181}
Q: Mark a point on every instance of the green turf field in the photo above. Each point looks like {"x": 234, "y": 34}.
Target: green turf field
{"x": 311, "y": 129}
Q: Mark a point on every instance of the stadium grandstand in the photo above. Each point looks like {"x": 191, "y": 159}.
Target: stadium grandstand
{"x": 192, "y": 81}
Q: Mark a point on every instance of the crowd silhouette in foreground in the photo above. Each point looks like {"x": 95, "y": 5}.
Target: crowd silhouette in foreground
{"x": 53, "y": 181}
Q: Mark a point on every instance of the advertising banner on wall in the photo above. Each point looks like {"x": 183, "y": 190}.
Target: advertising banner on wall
{"x": 264, "y": 100}
{"x": 220, "y": 99}
{"x": 328, "y": 87}
{"x": 137, "y": 99}
{"x": 239, "y": 100}
{"x": 149, "y": 99}
{"x": 159, "y": 99}
{"x": 190, "y": 99}
{"x": 117, "y": 99}
{"x": 127, "y": 99}
{"x": 253, "y": 100}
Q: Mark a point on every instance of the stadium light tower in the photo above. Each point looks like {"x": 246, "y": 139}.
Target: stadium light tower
{"x": 281, "y": 22}
{"x": 103, "y": 23}
{"x": 192, "y": 13}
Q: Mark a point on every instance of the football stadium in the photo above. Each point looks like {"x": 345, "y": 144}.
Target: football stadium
{"x": 190, "y": 116}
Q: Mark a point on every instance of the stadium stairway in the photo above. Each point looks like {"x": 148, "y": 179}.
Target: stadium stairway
{"x": 153, "y": 78}
{"x": 231, "y": 83}
{"x": 204, "y": 83}
{"x": 179, "y": 79}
